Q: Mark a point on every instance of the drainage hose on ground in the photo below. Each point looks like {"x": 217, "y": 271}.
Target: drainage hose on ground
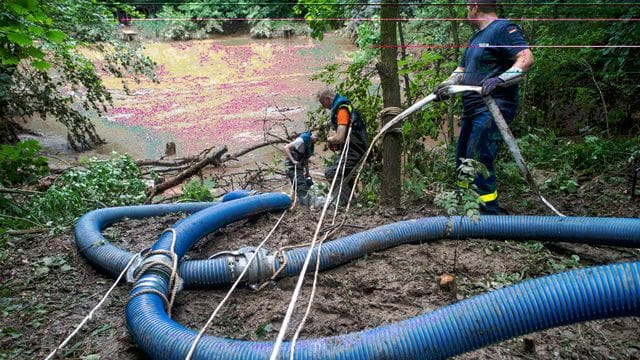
{"x": 584, "y": 230}
{"x": 108, "y": 257}
{"x": 576, "y": 296}
{"x": 217, "y": 273}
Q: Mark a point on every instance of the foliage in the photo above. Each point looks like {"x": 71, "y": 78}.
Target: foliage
{"x": 44, "y": 71}
{"x": 316, "y": 13}
{"x": 102, "y": 183}
{"x": 464, "y": 200}
{"x": 21, "y": 163}
{"x": 184, "y": 20}
{"x": 195, "y": 190}
{"x": 183, "y": 23}
{"x": 592, "y": 88}
{"x": 568, "y": 160}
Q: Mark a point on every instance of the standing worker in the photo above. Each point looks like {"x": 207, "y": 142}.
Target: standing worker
{"x": 297, "y": 164}
{"x": 497, "y": 52}
{"x": 343, "y": 115}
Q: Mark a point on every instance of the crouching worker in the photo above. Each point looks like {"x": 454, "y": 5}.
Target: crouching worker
{"x": 343, "y": 116}
{"x": 297, "y": 164}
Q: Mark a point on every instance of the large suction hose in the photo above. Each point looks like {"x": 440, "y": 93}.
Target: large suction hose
{"x": 110, "y": 258}
{"x": 575, "y": 296}
{"x": 217, "y": 272}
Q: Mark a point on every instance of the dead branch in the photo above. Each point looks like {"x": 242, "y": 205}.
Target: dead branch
{"x": 252, "y": 148}
{"x": 178, "y": 179}
{"x": 176, "y": 162}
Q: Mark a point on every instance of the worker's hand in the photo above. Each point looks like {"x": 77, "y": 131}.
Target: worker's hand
{"x": 489, "y": 85}
{"x": 440, "y": 91}
{"x": 295, "y": 162}
{"x": 454, "y": 79}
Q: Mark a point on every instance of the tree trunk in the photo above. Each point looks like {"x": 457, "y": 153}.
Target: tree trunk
{"x": 388, "y": 71}
{"x": 456, "y": 41}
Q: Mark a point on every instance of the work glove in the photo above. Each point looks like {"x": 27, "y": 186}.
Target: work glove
{"x": 333, "y": 147}
{"x": 489, "y": 85}
{"x": 439, "y": 91}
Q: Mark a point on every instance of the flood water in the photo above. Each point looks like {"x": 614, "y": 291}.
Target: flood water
{"x": 214, "y": 92}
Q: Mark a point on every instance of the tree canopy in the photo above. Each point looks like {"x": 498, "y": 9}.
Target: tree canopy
{"x": 44, "y": 72}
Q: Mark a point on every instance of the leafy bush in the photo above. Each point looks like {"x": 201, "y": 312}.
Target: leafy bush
{"x": 103, "y": 183}
{"x": 21, "y": 163}
{"x": 44, "y": 70}
{"x": 195, "y": 190}
{"x": 465, "y": 200}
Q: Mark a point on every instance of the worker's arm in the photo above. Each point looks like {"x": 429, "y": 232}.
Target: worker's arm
{"x": 524, "y": 60}
{"x": 454, "y": 79}
{"x": 287, "y": 151}
{"x": 339, "y": 137}
{"x": 341, "y": 132}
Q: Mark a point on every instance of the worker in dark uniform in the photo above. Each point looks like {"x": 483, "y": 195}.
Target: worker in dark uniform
{"x": 343, "y": 115}
{"x": 297, "y": 163}
{"x": 496, "y": 53}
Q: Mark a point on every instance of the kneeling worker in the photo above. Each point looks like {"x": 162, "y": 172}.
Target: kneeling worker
{"x": 297, "y": 163}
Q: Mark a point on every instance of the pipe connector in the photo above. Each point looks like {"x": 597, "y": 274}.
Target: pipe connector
{"x": 260, "y": 269}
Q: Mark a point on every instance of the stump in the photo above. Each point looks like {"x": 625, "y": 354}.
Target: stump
{"x": 170, "y": 149}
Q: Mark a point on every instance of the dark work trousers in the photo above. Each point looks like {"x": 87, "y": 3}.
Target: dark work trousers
{"x": 302, "y": 184}
{"x": 356, "y": 152}
{"x": 480, "y": 140}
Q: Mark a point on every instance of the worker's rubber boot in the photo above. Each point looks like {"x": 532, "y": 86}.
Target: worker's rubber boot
{"x": 492, "y": 208}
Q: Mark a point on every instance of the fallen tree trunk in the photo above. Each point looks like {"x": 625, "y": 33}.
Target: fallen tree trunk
{"x": 214, "y": 159}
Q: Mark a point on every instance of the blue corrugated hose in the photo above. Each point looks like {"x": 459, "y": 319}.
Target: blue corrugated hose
{"x": 575, "y": 296}
{"x": 110, "y": 258}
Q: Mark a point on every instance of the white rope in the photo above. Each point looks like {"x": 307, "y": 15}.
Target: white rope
{"x": 294, "y": 186}
{"x": 317, "y": 269}
{"x": 303, "y": 271}
{"x": 174, "y": 269}
{"x": 311, "y": 297}
{"x": 233, "y": 287}
{"x": 90, "y": 316}
{"x": 345, "y": 152}
{"x": 403, "y": 115}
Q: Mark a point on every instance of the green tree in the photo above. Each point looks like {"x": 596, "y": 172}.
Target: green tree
{"x": 43, "y": 70}
{"x": 388, "y": 71}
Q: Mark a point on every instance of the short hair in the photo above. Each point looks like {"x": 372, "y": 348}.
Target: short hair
{"x": 328, "y": 93}
{"x": 485, "y": 6}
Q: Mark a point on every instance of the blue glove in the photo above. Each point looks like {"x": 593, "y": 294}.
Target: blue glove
{"x": 489, "y": 85}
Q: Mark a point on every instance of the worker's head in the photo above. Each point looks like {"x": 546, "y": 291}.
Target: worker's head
{"x": 314, "y": 138}
{"x": 477, "y": 8}
{"x": 325, "y": 97}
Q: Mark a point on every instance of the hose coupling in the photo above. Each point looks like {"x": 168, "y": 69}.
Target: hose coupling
{"x": 258, "y": 271}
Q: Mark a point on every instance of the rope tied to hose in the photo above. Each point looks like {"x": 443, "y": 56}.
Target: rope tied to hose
{"x": 175, "y": 282}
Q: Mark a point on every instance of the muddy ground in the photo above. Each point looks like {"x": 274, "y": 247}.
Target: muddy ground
{"x": 47, "y": 287}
